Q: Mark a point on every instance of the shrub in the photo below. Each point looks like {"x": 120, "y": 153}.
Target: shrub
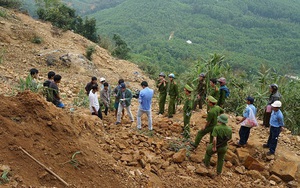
{"x": 37, "y": 40}
{"x": 81, "y": 100}
{"x": 89, "y": 52}
{"x": 3, "y": 13}
{"x": 29, "y": 84}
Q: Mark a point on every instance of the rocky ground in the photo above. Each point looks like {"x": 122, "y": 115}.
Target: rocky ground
{"x": 87, "y": 152}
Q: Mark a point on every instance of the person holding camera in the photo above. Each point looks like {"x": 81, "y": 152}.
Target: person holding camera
{"x": 145, "y": 100}
{"x": 162, "y": 89}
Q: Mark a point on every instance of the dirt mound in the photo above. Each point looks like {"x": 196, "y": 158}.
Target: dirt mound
{"x": 52, "y": 136}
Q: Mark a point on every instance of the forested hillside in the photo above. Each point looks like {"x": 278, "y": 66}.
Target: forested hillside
{"x": 248, "y": 32}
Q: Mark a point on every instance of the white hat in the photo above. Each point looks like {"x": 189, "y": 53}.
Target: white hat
{"x": 102, "y": 79}
{"x": 276, "y": 104}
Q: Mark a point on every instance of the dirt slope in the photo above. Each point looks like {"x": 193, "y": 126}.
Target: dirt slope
{"x": 110, "y": 155}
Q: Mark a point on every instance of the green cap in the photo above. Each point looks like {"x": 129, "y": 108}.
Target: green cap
{"x": 223, "y": 118}
{"x": 187, "y": 87}
{"x": 212, "y": 99}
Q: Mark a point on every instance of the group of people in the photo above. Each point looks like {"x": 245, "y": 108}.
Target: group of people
{"x": 214, "y": 97}
{"x": 51, "y": 90}
{"x": 123, "y": 97}
{"x": 216, "y": 120}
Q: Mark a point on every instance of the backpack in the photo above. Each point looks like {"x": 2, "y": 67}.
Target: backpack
{"x": 227, "y": 92}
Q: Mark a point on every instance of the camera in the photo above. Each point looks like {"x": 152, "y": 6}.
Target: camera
{"x": 136, "y": 94}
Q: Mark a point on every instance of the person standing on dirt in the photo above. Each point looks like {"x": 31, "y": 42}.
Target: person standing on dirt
{"x": 214, "y": 91}
{"x": 117, "y": 100}
{"x": 46, "y": 84}
{"x": 162, "y": 84}
{"x": 173, "y": 93}
{"x": 105, "y": 97}
{"x": 244, "y": 131}
{"x": 211, "y": 121}
{"x": 125, "y": 96}
{"x": 201, "y": 92}
{"x": 102, "y": 81}
{"x": 276, "y": 126}
{"x": 145, "y": 100}
{"x": 224, "y": 92}
{"x": 187, "y": 111}
{"x": 221, "y": 135}
{"x": 51, "y": 75}
{"x": 34, "y": 74}
{"x": 56, "y": 99}
{"x": 94, "y": 102}
{"x": 89, "y": 85}
{"x": 274, "y": 96}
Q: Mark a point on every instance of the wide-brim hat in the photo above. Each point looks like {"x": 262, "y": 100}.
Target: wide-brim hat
{"x": 189, "y": 88}
{"x": 276, "y": 104}
{"x": 212, "y": 99}
{"x": 223, "y": 118}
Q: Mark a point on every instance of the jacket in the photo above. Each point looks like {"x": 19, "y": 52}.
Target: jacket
{"x": 274, "y": 97}
{"x": 128, "y": 96}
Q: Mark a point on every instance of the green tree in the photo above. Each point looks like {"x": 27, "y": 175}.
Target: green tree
{"x": 121, "y": 50}
{"x": 15, "y": 4}
{"x": 62, "y": 16}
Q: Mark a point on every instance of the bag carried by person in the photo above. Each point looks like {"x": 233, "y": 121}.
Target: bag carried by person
{"x": 227, "y": 91}
{"x": 251, "y": 120}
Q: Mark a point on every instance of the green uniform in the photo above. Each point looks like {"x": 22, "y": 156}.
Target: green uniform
{"x": 187, "y": 113}
{"x": 201, "y": 91}
{"x": 214, "y": 92}
{"x": 173, "y": 93}
{"x": 162, "y": 89}
{"x": 222, "y": 97}
{"x": 212, "y": 116}
{"x": 223, "y": 134}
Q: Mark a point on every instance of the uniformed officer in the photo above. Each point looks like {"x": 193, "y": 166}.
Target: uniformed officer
{"x": 200, "y": 92}
{"x": 173, "y": 93}
{"x": 162, "y": 89}
{"x": 211, "y": 120}
{"x": 187, "y": 111}
{"x": 221, "y": 135}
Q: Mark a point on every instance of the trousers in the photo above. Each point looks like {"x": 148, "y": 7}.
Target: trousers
{"x": 221, "y": 151}
{"x": 273, "y": 138}
{"x": 171, "y": 108}
{"x": 162, "y": 102}
{"x": 120, "y": 109}
{"x": 139, "y": 118}
{"x": 244, "y": 133}
{"x": 202, "y": 133}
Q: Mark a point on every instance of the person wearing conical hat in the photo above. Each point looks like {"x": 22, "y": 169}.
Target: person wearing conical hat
{"x": 221, "y": 135}
{"x": 211, "y": 120}
{"x": 162, "y": 84}
{"x": 187, "y": 111}
{"x": 173, "y": 93}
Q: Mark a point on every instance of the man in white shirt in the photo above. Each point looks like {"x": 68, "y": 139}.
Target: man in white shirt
{"x": 94, "y": 102}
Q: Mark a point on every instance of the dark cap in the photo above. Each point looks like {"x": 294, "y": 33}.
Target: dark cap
{"x": 250, "y": 99}
{"x": 122, "y": 85}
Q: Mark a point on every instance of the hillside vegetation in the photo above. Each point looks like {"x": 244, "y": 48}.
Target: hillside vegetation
{"x": 248, "y": 32}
